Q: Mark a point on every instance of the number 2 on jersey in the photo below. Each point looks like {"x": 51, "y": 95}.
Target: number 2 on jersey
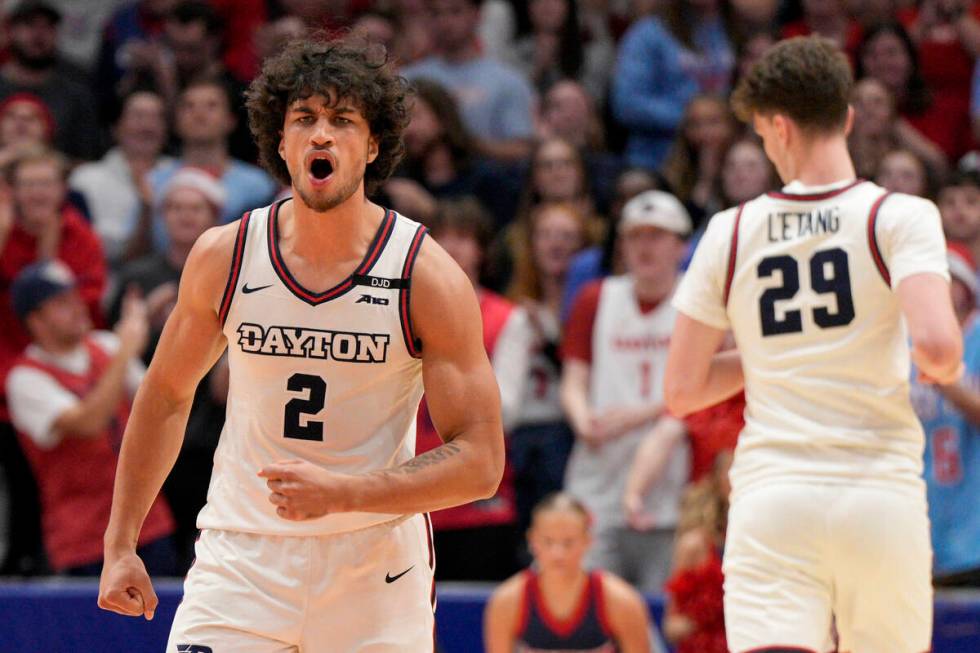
{"x": 310, "y": 405}
{"x": 838, "y": 283}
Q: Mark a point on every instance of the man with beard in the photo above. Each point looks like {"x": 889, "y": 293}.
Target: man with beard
{"x": 35, "y": 67}
{"x": 333, "y": 310}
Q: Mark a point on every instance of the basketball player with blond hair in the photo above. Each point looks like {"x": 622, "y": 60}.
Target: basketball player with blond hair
{"x": 827, "y": 285}
{"x": 333, "y": 311}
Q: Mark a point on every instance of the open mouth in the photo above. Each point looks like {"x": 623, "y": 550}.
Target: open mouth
{"x": 321, "y": 168}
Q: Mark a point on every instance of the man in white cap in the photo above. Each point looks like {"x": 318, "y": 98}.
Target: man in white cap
{"x": 614, "y": 353}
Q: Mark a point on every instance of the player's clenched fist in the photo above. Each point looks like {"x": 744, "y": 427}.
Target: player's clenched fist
{"x": 301, "y": 490}
{"x": 125, "y": 587}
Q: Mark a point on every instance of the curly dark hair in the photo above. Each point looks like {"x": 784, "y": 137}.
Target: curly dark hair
{"x": 339, "y": 68}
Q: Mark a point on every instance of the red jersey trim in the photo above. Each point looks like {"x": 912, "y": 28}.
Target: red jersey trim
{"x": 561, "y": 628}
{"x": 525, "y": 610}
{"x": 873, "y": 240}
{"x": 236, "y": 268}
{"x": 733, "y": 253}
{"x": 600, "y": 604}
{"x": 374, "y": 250}
{"x": 813, "y": 197}
{"x": 412, "y": 343}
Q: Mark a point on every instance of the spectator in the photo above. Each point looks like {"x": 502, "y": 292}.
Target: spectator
{"x": 693, "y": 167}
{"x": 126, "y": 40}
{"x": 878, "y": 129}
{"x": 829, "y": 19}
{"x": 115, "y": 186}
{"x": 950, "y": 418}
{"x": 441, "y": 162}
{"x": 273, "y": 36}
{"x": 614, "y": 352}
{"x": 556, "y": 174}
{"x": 663, "y": 62}
{"x": 37, "y": 224}
{"x": 494, "y": 100}
{"x": 599, "y": 261}
{"x": 746, "y": 172}
{"x": 888, "y": 54}
{"x": 751, "y": 49}
{"x": 901, "y": 171}
{"x": 189, "y": 48}
{"x": 25, "y": 121}
{"x": 558, "y": 604}
{"x": 540, "y": 438}
{"x": 556, "y": 47}
{"x": 569, "y": 113}
{"x": 204, "y": 121}
{"x": 69, "y": 396}
{"x": 946, "y": 34}
{"x": 477, "y": 541}
{"x": 959, "y": 206}
{"x": 35, "y": 67}
{"x": 694, "y": 620}
{"x": 191, "y": 203}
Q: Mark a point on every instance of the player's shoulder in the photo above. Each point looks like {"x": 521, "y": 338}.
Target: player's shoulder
{"x": 511, "y": 591}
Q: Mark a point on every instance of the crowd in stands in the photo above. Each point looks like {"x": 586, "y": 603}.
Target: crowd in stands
{"x": 567, "y": 154}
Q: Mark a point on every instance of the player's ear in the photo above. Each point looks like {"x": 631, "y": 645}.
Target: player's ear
{"x": 282, "y": 147}
{"x": 849, "y": 120}
{"x": 372, "y": 149}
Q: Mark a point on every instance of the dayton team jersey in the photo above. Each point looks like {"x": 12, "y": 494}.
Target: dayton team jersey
{"x": 329, "y": 377}
{"x": 586, "y": 630}
{"x": 805, "y": 279}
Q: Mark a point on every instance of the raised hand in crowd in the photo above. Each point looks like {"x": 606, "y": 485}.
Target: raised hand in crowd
{"x": 133, "y": 326}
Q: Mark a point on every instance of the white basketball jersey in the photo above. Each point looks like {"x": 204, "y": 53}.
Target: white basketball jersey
{"x": 805, "y": 279}
{"x": 629, "y": 355}
{"x": 332, "y": 378}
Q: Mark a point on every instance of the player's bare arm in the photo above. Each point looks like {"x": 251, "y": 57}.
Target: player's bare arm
{"x": 627, "y": 613}
{"x": 934, "y": 334}
{"x": 502, "y": 615}
{"x": 463, "y": 401}
{"x": 190, "y": 344}
{"x": 697, "y": 374}
{"x": 649, "y": 464}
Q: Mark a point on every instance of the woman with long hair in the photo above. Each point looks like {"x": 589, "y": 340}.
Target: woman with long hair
{"x": 540, "y": 439}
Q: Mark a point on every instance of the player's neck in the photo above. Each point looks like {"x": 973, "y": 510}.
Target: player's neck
{"x": 555, "y": 583}
{"x": 821, "y": 161}
{"x": 340, "y": 234}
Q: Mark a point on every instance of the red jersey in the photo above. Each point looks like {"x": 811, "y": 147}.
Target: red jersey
{"x": 75, "y": 477}
{"x": 500, "y": 508}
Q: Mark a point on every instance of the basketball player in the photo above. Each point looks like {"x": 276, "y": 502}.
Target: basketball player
{"x": 333, "y": 310}
{"x": 557, "y": 605}
{"x": 828, "y": 512}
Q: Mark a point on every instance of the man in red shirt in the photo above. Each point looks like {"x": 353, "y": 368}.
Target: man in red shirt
{"x": 69, "y": 396}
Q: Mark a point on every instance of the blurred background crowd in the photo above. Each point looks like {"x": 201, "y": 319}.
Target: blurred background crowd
{"x": 567, "y": 153}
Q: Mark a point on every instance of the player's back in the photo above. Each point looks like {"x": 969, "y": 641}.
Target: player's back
{"x": 809, "y": 295}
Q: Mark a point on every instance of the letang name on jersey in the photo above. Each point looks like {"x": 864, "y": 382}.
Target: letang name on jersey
{"x": 300, "y": 342}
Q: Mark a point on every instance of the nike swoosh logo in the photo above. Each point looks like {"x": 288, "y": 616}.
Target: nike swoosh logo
{"x": 247, "y": 290}
{"x": 391, "y": 579}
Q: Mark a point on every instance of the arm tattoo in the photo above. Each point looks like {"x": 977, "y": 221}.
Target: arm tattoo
{"x": 428, "y": 459}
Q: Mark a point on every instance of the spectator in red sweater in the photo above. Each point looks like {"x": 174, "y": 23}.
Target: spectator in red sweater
{"x": 36, "y": 223}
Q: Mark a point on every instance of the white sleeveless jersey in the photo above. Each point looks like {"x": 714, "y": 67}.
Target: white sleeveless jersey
{"x": 332, "y": 378}
{"x": 629, "y": 355}
{"x": 805, "y": 280}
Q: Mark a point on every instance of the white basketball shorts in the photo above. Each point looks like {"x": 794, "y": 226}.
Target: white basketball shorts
{"x": 798, "y": 556}
{"x": 369, "y": 591}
